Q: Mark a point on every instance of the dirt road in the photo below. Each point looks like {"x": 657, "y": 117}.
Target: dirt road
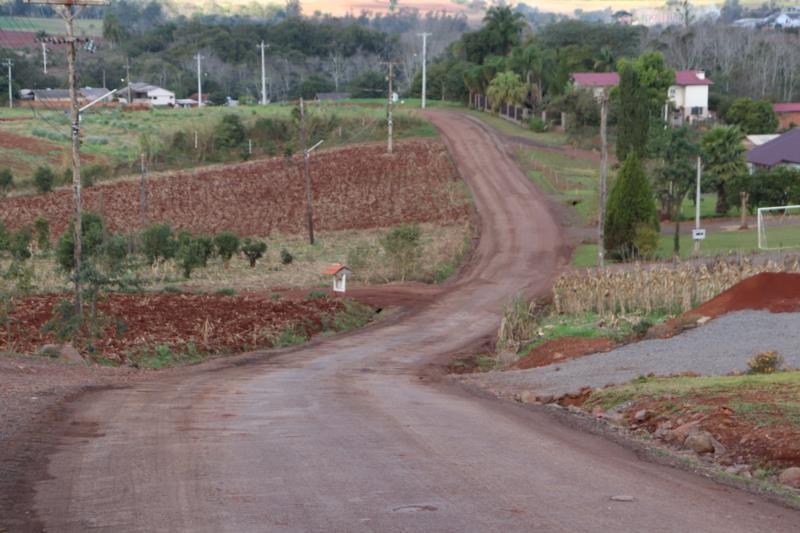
{"x": 343, "y": 435}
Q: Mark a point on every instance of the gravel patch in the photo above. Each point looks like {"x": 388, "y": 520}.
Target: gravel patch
{"x": 720, "y": 347}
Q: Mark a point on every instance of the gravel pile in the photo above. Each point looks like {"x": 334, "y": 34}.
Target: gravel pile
{"x": 720, "y": 347}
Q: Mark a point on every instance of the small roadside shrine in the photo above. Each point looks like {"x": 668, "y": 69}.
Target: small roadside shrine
{"x": 339, "y": 273}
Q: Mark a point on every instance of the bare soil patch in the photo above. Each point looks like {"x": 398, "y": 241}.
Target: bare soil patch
{"x": 355, "y": 187}
{"x": 563, "y": 349}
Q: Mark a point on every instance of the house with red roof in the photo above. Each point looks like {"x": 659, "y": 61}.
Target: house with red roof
{"x": 689, "y": 95}
{"x": 788, "y": 115}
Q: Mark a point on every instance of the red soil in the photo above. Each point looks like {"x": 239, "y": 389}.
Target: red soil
{"x": 357, "y": 187}
{"x": 215, "y": 323}
{"x": 563, "y": 349}
{"x": 777, "y": 292}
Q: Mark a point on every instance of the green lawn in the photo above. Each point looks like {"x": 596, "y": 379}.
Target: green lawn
{"x": 708, "y": 207}
{"x": 550, "y": 138}
{"x": 716, "y": 243}
{"x": 53, "y": 26}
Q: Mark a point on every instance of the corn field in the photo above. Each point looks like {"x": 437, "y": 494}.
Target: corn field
{"x": 674, "y": 289}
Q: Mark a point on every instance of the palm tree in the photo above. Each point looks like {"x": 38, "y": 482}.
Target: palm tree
{"x": 506, "y": 88}
{"x": 504, "y": 26}
{"x": 723, "y": 159}
{"x": 528, "y": 61}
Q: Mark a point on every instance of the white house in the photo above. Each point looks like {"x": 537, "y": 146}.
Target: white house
{"x": 789, "y": 19}
{"x": 143, "y": 93}
{"x": 689, "y": 96}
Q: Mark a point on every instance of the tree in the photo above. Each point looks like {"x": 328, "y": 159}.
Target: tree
{"x": 43, "y": 179}
{"x": 113, "y": 30}
{"x": 93, "y": 231}
{"x": 294, "y": 9}
{"x": 656, "y": 78}
{"x": 369, "y": 84}
{"x": 753, "y": 117}
{"x": 723, "y": 156}
{"x": 189, "y": 254}
{"x": 158, "y": 244}
{"x": 504, "y": 27}
{"x": 630, "y": 211}
{"x": 42, "y": 227}
{"x": 6, "y": 181}
{"x": 506, "y": 88}
{"x": 402, "y": 246}
{"x": 731, "y": 10}
{"x": 633, "y": 120}
{"x": 227, "y": 245}
{"x": 253, "y": 250}
{"x": 230, "y": 132}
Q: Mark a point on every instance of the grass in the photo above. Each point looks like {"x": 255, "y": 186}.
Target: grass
{"x": 53, "y": 26}
{"x": 683, "y": 389}
{"x": 708, "y": 207}
{"x": 442, "y": 249}
{"x": 549, "y": 138}
{"x": 716, "y": 243}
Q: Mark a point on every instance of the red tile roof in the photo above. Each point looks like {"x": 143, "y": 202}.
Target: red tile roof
{"x": 786, "y": 108}
{"x": 690, "y": 77}
{"x": 784, "y": 149}
{"x": 334, "y": 269}
{"x": 596, "y": 79}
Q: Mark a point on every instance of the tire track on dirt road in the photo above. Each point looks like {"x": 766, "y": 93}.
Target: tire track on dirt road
{"x": 344, "y": 435}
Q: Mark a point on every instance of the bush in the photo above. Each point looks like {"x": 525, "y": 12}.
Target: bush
{"x": 92, "y": 235}
{"x": 537, "y": 124}
{"x": 4, "y": 237}
{"x": 316, "y": 295}
{"x": 645, "y": 240}
{"x": 6, "y": 181}
{"x": 230, "y": 132}
{"x": 43, "y": 179}
{"x": 91, "y": 174}
{"x": 630, "y": 205}
{"x": 206, "y": 249}
{"x": 253, "y": 250}
{"x": 227, "y": 244}
{"x": 189, "y": 254}
{"x": 765, "y": 363}
{"x": 402, "y": 245}
{"x": 286, "y": 257}
{"x": 20, "y": 243}
{"x": 157, "y": 243}
{"x": 42, "y": 227}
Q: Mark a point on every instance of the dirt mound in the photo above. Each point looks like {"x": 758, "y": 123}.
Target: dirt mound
{"x": 563, "y": 349}
{"x": 777, "y": 292}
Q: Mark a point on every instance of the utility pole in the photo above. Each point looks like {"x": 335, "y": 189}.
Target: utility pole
{"x": 104, "y": 78}
{"x": 390, "y": 107}
{"x": 307, "y": 174}
{"x": 424, "y": 66}
{"x": 697, "y": 201}
{"x": 143, "y": 193}
{"x": 601, "y": 222}
{"x": 9, "y": 63}
{"x": 263, "y": 74}
{"x": 199, "y": 82}
{"x": 128, "y": 79}
{"x": 44, "y": 57}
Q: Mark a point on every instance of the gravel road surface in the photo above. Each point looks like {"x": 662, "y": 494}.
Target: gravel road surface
{"x": 719, "y": 347}
{"x": 348, "y": 434}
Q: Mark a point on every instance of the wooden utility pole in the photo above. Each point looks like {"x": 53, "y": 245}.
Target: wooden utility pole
{"x": 601, "y": 222}
{"x": 143, "y": 193}
{"x": 307, "y": 173}
{"x": 128, "y": 79}
{"x": 390, "y": 107}
{"x": 10, "y": 63}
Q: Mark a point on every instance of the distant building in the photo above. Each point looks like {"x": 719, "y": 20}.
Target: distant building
{"x": 689, "y": 96}
{"x": 144, "y": 93}
{"x": 623, "y": 17}
{"x": 60, "y": 98}
{"x": 788, "y": 115}
{"x": 196, "y": 98}
{"x": 783, "y": 151}
{"x": 597, "y": 82}
{"x": 751, "y": 141}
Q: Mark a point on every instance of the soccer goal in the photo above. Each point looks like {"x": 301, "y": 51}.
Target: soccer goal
{"x": 779, "y": 227}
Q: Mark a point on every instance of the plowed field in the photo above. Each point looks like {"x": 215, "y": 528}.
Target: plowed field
{"x": 354, "y": 188}
{"x": 214, "y": 323}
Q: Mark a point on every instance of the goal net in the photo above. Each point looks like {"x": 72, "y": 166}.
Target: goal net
{"x": 779, "y": 227}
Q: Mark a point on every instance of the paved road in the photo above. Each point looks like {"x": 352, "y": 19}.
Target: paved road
{"x": 345, "y": 436}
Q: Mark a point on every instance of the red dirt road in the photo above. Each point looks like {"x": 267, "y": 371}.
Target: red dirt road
{"x": 343, "y": 435}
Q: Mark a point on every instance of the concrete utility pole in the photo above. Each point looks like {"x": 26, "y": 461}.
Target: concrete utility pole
{"x": 424, "y": 66}
{"x": 390, "y": 107}
{"x": 697, "y": 200}
{"x": 44, "y": 57}
{"x": 199, "y": 82}
{"x": 263, "y": 74}
{"x": 143, "y": 193}
{"x": 9, "y": 63}
{"x": 306, "y": 173}
{"x": 128, "y": 79}
{"x": 601, "y": 222}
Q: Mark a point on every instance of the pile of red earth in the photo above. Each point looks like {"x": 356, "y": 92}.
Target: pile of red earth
{"x": 563, "y": 349}
{"x": 214, "y": 323}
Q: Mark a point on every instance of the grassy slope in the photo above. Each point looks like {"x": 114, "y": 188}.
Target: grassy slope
{"x": 53, "y": 26}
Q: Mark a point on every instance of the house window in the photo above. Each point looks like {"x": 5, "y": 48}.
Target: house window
{"x": 697, "y": 111}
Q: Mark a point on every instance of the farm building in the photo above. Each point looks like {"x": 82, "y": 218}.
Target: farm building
{"x": 788, "y": 115}
{"x": 689, "y": 95}
{"x": 195, "y": 97}
{"x": 783, "y": 151}
{"x": 143, "y": 93}
{"x": 59, "y": 98}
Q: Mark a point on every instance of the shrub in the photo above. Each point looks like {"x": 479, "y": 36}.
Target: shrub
{"x": 629, "y": 206}
{"x": 189, "y": 254}
{"x": 316, "y": 295}
{"x": 113, "y": 252}
{"x": 402, "y": 245}
{"x": 157, "y": 243}
{"x": 227, "y": 244}
{"x": 92, "y": 234}
{"x": 230, "y": 132}
{"x": 645, "y": 240}
{"x": 43, "y": 179}
{"x": 4, "y": 237}
{"x": 42, "y": 227}
{"x": 206, "y": 249}
{"x": 765, "y": 363}
{"x": 20, "y": 243}
{"x": 253, "y": 250}
{"x": 6, "y": 181}
{"x": 227, "y": 291}
{"x": 91, "y": 174}
{"x": 537, "y": 124}
{"x": 286, "y": 257}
